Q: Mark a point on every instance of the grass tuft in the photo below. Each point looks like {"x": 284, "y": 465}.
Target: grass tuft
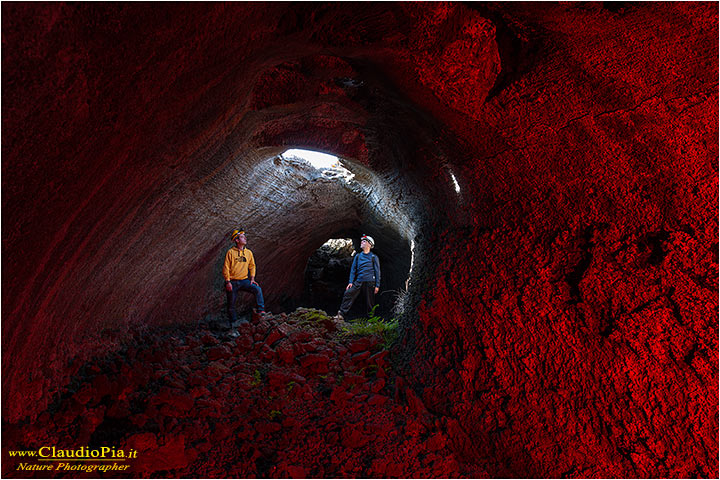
{"x": 374, "y": 325}
{"x": 311, "y": 316}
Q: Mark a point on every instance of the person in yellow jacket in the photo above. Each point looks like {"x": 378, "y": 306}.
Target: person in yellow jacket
{"x": 239, "y": 273}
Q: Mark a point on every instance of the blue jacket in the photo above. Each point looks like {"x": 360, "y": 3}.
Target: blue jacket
{"x": 365, "y": 268}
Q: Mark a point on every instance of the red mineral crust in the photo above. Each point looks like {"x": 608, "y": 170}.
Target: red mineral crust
{"x": 553, "y": 167}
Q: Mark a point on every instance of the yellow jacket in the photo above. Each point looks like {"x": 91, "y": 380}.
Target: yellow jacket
{"x": 237, "y": 264}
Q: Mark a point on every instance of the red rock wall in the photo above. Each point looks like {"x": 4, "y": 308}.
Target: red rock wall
{"x": 575, "y": 318}
{"x": 571, "y": 323}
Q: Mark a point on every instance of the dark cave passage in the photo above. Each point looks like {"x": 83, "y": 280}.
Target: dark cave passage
{"x": 326, "y": 274}
{"x": 541, "y": 181}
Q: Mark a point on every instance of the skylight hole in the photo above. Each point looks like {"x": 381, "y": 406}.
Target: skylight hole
{"x": 318, "y": 160}
{"x": 328, "y": 165}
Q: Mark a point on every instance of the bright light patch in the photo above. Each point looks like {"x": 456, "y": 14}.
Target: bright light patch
{"x": 337, "y": 244}
{"x": 316, "y": 159}
{"x": 330, "y": 166}
{"x": 455, "y": 182}
{"x": 412, "y": 262}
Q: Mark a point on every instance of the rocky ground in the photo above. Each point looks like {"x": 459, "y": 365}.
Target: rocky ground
{"x": 281, "y": 396}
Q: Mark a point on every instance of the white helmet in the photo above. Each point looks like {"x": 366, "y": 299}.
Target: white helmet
{"x": 369, "y": 239}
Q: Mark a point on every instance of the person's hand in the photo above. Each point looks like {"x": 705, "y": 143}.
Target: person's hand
{"x": 349, "y": 286}
{"x": 253, "y": 282}
{"x": 376, "y": 290}
{"x": 228, "y": 286}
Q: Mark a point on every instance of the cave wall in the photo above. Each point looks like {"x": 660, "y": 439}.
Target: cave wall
{"x": 585, "y": 306}
{"x": 566, "y": 296}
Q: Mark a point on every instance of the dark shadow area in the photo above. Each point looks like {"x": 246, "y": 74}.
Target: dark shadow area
{"x": 326, "y": 274}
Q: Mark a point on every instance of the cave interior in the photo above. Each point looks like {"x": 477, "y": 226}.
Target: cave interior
{"x": 541, "y": 181}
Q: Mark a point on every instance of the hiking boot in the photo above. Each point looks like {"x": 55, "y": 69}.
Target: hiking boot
{"x": 340, "y": 321}
{"x": 258, "y": 315}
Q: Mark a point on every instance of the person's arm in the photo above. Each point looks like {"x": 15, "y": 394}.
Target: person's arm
{"x": 226, "y": 271}
{"x": 376, "y": 266}
{"x": 251, "y": 267}
{"x": 352, "y": 272}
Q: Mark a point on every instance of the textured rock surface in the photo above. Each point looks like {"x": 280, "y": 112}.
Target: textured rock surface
{"x": 563, "y": 304}
{"x": 206, "y": 403}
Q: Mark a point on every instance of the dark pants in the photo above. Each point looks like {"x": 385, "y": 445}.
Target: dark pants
{"x": 368, "y": 291}
{"x": 245, "y": 286}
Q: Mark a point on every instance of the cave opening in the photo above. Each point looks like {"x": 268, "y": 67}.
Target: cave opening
{"x": 329, "y": 166}
{"x": 326, "y": 274}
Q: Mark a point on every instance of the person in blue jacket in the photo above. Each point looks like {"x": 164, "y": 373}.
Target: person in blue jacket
{"x": 364, "y": 278}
